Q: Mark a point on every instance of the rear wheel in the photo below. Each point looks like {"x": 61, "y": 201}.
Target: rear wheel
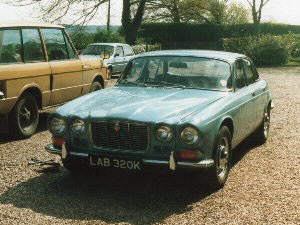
{"x": 222, "y": 154}
{"x": 262, "y": 133}
{"x": 95, "y": 86}
{"x": 24, "y": 116}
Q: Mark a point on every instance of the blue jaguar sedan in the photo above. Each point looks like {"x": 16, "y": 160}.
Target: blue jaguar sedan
{"x": 173, "y": 109}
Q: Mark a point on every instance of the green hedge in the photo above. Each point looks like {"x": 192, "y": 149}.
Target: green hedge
{"x": 268, "y": 50}
{"x": 179, "y": 32}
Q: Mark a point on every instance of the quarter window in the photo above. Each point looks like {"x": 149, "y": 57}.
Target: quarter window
{"x": 240, "y": 77}
{"x": 10, "y": 46}
{"x": 55, "y": 43}
{"x": 32, "y": 46}
{"x": 249, "y": 72}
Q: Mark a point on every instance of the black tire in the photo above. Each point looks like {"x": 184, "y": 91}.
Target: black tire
{"x": 262, "y": 133}
{"x": 95, "y": 86}
{"x": 222, "y": 155}
{"x": 24, "y": 117}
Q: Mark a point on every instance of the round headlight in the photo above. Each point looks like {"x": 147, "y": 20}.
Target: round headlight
{"x": 189, "y": 135}
{"x": 78, "y": 126}
{"x": 57, "y": 125}
{"x": 164, "y": 133}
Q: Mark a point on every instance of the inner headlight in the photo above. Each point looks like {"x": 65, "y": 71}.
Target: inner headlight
{"x": 78, "y": 126}
{"x": 164, "y": 133}
{"x": 57, "y": 125}
{"x": 189, "y": 135}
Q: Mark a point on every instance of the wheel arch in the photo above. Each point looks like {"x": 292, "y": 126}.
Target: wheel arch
{"x": 36, "y": 92}
{"x": 229, "y": 123}
{"x": 99, "y": 78}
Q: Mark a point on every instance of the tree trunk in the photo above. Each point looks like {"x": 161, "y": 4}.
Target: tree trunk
{"x": 131, "y": 26}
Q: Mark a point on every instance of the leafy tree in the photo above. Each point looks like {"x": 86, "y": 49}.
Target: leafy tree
{"x": 188, "y": 11}
{"x": 236, "y": 13}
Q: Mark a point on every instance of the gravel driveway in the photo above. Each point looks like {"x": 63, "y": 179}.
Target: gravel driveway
{"x": 263, "y": 186}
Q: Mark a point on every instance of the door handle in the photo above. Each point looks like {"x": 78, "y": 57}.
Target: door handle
{"x": 253, "y": 93}
{"x": 85, "y": 67}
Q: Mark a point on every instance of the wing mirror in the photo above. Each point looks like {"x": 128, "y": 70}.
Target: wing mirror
{"x": 117, "y": 54}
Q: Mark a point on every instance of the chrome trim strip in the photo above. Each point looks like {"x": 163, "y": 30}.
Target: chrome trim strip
{"x": 151, "y": 161}
{"x": 79, "y": 154}
{"x": 202, "y": 164}
{"x": 51, "y": 149}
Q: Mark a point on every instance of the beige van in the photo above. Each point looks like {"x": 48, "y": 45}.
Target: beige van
{"x": 39, "y": 67}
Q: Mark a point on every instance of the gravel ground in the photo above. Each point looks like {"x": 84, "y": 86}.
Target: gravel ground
{"x": 263, "y": 186}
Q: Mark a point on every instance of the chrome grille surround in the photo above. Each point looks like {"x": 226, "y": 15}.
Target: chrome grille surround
{"x": 120, "y": 135}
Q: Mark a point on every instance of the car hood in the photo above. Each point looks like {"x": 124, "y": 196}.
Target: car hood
{"x": 141, "y": 104}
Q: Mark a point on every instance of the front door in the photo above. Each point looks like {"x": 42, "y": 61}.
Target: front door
{"x": 66, "y": 76}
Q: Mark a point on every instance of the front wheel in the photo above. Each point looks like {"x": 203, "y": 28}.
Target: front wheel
{"x": 24, "y": 116}
{"x": 95, "y": 86}
{"x": 222, "y": 154}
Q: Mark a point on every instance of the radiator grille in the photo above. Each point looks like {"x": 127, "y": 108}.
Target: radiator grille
{"x": 129, "y": 136}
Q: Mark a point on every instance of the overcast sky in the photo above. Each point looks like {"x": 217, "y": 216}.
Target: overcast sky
{"x": 281, "y": 11}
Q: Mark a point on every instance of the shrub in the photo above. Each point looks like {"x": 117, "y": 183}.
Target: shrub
{"x": 268, "y": 50}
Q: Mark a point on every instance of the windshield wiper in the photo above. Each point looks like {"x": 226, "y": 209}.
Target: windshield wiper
{"x": 126, "y": 82}
{"x": 165, "y": 84}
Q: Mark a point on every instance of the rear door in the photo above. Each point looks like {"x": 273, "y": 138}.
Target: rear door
{"x": 66, "y": 68}
{"x": 244, "y": 98}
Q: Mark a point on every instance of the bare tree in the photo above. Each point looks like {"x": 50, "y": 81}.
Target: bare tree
{"x": 256, "y": 13}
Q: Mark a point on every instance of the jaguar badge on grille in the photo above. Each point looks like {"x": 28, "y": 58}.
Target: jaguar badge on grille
{"x": 117, "y": 127}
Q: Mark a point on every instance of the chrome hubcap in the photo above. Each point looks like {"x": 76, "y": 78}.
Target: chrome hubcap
{"x": 222, "y": 157}
{"x": 266, "y": 124}
{"x": 25, "y": 116}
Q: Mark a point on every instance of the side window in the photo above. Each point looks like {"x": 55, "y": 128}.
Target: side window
{"x": 239, "y": 73}
{"x": 119, "y": 50}
{"x": 32, "y": 46}
{"x": 10, "y": 46}
{"x": 128, "y": 51}
{"x": 249, "y": 72}
{"x": 55, "y": 43}
{"x": 71, "y": 51}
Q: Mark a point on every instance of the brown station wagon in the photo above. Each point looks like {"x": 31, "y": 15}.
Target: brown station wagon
{"x": 39, "y": 67}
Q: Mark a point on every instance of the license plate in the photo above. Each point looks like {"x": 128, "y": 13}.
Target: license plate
{"x": 115, "y": 163}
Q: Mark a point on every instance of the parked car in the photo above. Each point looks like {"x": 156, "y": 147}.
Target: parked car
{"x": 115, "y": 55}
{"x": 39, "y": 67}
{"x": 174, "y": 109}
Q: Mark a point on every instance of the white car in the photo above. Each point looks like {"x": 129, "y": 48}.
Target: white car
{"x": 115, "y": 55}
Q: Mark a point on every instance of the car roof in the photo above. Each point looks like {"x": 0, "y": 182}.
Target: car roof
{"x": 226, "y": 56}
{"x": 28, "y": 24}
{"x": 112, "y": 44}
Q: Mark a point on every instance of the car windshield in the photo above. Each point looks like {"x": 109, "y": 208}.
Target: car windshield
{"x": 178, "y": 71}
{"x": 98, "y": 50}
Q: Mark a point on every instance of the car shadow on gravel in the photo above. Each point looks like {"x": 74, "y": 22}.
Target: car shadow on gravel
{"x": 42, "y": 126}
{"x": 112, "y": 196}
{"x": 139, "y": 198}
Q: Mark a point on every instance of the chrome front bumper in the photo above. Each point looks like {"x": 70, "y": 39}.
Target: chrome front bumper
{"x": 171, "y": 163}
